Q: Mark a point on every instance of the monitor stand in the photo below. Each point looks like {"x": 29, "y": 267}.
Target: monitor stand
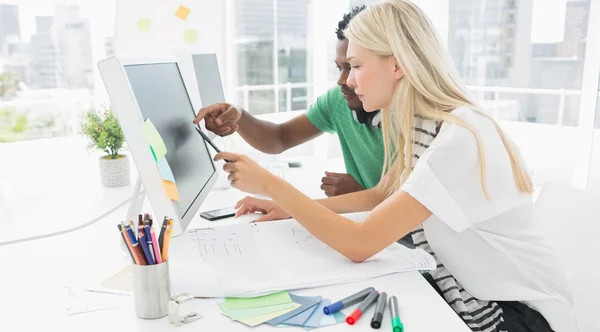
{"x": 136, "y": 202}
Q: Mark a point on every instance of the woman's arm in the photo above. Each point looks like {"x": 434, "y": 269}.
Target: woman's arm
{"x": 387, "y": 222}
{"x": 364, "y": 200}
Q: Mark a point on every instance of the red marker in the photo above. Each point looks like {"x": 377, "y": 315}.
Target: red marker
{"x": 362, "y": 307}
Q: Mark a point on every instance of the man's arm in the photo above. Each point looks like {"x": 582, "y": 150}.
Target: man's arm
{"x": 224, "y": 119}
{"x": 275, "y": 138}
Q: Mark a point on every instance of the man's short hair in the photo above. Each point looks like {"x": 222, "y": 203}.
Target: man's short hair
{"x": 343, "y": 24}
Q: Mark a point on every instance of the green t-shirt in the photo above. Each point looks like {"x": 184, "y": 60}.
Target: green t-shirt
{"x": 362, "y": 145}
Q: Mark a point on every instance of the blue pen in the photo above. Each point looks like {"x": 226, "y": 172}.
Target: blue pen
{"x": 348, "y": 301}
{"x": 135, "y": 244}
{"x": 144, "y": 245}
{"x": 149, "y": 242}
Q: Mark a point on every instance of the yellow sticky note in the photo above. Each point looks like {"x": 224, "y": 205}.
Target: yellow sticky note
{"x": 144, "y": 24}
{"x": 182, "y": 12}
{"x": 153, "y": 138}
{"x": 171, "y": 189}
{"x": 190, "y": 36}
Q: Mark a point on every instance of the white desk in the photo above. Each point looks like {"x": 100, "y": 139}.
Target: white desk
{"x": 33, "y": 275}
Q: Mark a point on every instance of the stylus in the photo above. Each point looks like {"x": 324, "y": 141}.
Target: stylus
{"x": 207, "y": 139}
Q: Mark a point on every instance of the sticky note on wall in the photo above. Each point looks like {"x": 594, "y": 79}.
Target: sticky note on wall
{"x": 153, "y": 138}
{"x": 144, "y": 24}
{"x": 190, "y": 36}
{"x": 182, "y": 12}
{"x": 171, "y": 190}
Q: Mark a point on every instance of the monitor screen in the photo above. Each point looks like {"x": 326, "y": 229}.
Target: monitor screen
{"x": 162, "y": 98}
{"x": 208, "y": 78}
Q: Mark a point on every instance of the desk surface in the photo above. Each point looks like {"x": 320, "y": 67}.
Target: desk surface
{"x": 34, "y": 275}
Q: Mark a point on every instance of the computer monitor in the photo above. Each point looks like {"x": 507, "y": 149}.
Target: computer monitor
{"x": 208, "y": 78}
{"x": 155, "y": 90}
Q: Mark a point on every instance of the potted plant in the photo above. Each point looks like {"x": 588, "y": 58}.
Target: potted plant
{"x": 104, "y": 134}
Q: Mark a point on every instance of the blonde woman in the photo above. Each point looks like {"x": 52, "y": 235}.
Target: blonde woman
{"x": 452, "y": 179}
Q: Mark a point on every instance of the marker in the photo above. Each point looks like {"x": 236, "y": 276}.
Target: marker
{"x": 156, "y": 249}
{"x": 362, "y": 307}
{"x": 136, "y": 247}
{"x": 144, "y": 245}
{"x": 396, "y": 323}
{"x": 379, "y": 311}
{"x": 140, "y": 225}
{"x": 207, "y": 139}
{"x": 127, "y": 243}
{"x": 161, "y": 237}
{"x": 350, "y": 300}
{"x": 149, "y": 241}
{"x": 167, "y": 240}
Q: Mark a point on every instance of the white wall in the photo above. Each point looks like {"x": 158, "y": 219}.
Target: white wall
{"x": 166, "y": 32}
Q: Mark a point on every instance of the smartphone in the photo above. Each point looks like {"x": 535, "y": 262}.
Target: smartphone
{"x": 218, "y": 214}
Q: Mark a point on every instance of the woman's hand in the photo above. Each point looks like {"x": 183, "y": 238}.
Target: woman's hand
{"x": 245, "y": 174}
{"x": 269, "y": 209}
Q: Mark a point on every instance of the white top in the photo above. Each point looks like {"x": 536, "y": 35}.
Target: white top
{"x": 494, "y": 248}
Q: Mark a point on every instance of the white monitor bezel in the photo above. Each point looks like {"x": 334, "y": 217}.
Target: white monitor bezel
{"x": 126, "y": 108}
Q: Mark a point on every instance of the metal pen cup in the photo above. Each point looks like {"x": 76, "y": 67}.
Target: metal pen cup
{"x": 151, "y": 290}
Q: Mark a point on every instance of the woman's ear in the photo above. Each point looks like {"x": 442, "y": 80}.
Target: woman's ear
{"x": 398, "y": 72}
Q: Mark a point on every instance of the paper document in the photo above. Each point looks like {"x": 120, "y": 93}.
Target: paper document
{"x": 249, "y": 260}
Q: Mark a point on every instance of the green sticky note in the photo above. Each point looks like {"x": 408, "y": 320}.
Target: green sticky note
{"x": 157, "y": 145}
{"x": 257, "y": 320}
{"x": 238, "y": 314}
{"x": 144, "y": 24}
{"x": 339, "y": 317}
{"x": 190, "y": 36}
{"x": 255, "y": 302}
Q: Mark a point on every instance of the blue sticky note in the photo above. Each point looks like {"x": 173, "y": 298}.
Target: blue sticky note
{"x": 302, "y": 317}
{"x": 165, "y": 170}
{"x": 306, "y": 303}
{"x": 315, "y": 318}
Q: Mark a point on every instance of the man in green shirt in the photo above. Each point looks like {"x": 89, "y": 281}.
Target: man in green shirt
{"x": 362, "y": 144}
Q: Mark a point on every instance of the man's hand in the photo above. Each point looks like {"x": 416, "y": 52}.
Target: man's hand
{"x": 334, "y": 184}
{"x": 220, "y": 118}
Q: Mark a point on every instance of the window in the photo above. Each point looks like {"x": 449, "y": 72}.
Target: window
{"x": 272, "y": 51}
{"x": 532, "y": 80}
{"x": 48, "y": 79}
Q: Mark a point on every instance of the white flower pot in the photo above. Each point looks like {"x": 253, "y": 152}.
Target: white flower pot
{"x": 115, "y": 172}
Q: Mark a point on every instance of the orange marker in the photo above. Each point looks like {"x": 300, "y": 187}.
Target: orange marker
{"x": 165, "y": 248}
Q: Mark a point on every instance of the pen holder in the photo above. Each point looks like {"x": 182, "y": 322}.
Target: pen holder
{"x": 151, "y": 290}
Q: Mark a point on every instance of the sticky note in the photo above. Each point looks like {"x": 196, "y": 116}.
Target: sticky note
{"x": 327, "y": 320}
{"x": 153, "y": 138}
{"x": 190, "y": 36}
{"x": 302, "y": 317}
{"x": 257, "y": 320}
{"x": 182, "y": 12}
{"x": 165, "y": 170}
{"x": 238, "y": 314}
{"x": 261, "y": 301}
{"x": 339, "y": 317}
{"x": 306, "y": 303}
{"x": 315, "y": 318}
{"x": 171, "y": 189}
{"x": 144, "y": 24}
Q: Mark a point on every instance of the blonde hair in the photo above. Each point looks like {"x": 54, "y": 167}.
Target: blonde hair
{"x": 430, "y": 87}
